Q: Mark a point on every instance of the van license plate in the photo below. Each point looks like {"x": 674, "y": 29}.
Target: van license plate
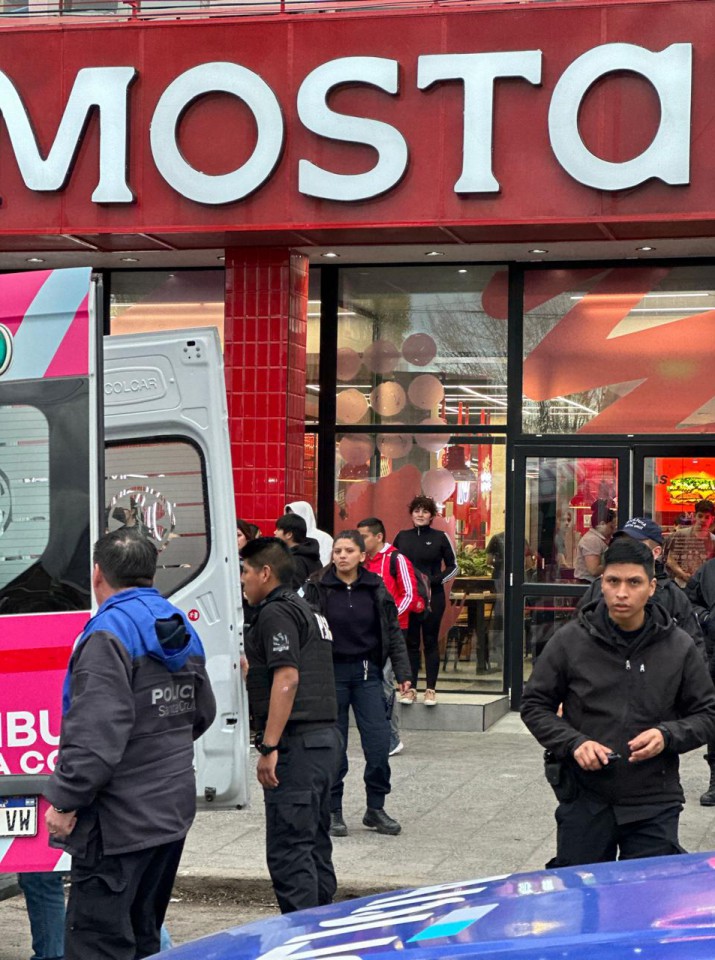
{"x": 18, "y": 816}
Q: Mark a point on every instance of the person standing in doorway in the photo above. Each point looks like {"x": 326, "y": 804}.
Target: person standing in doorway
{"x": 594, "y": 543}
{"x": 690, "y": 547}
{"x": 399, "y": 577}
{"x": 431, "y": 552}
{"x": 363, "y": 621}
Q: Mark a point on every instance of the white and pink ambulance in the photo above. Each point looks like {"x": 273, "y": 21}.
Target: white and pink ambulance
{"x": 95, "y": 436}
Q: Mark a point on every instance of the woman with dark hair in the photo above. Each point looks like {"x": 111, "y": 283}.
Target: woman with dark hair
{"x": 362, "y": 617}
{"x": 431, "y": 552}
{"x": 244, "y": 533}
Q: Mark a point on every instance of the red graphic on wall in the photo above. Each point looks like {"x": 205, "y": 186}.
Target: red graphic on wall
{"x": 193, "y": 614}
{"x": 662, "y": 374}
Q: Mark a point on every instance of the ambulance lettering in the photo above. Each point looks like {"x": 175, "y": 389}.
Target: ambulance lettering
{"x": 21, "y": 730}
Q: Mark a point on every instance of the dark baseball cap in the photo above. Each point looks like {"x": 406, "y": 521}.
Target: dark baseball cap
{"x": 642, "y": 528}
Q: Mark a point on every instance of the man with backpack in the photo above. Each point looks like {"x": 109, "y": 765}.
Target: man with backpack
{"x": 401, "y": 582}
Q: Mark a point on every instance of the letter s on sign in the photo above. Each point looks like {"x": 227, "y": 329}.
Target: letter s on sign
{"x": 668, "y": 156}
{"x": 316, "y": 115}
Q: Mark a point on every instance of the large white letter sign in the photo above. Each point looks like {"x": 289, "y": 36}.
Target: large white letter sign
{"x": 220, "y": 77}
{"x": 102, "y": 87}
{"x": 668, "y": 156}
{"x": 316, "y": 115}
{"x": 478, "y": 71}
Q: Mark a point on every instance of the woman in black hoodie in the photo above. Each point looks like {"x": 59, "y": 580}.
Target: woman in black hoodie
{"x": 363, "y": 621}
{"x": 430, "y": 551}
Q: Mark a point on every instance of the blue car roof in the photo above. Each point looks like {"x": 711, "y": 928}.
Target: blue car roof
{"x": 656, "y": 909}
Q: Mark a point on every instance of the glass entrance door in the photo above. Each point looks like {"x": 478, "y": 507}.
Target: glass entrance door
{"x": 569, "y": 502}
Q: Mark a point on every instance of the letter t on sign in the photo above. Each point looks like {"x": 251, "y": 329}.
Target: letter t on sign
{"x": 478, "y": 71}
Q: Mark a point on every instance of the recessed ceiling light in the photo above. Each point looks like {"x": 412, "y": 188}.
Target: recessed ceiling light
{"x": 462, "y": 270}
{"x": 220, "y": 258}
{"x": 129, "y": 259}
{"x": 330, "y": 255}
{"x": 34, "y": 260}
{"x": 434, "y": 253}
{"x": 538, "y": 250}
{"x": 645, "y": 249}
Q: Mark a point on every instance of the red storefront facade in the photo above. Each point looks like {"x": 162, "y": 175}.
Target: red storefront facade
{"x": 569, "y": 143}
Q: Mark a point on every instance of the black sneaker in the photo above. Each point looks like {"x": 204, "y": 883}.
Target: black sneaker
{"x": 338, "y": 827}
{"x": 381, "y": 822}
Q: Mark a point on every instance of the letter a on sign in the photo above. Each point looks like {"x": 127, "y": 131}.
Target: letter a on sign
{"x": 668, "y": 156}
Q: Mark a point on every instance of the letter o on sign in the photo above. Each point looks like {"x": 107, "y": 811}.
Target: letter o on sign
{"x": 218, "y": 77}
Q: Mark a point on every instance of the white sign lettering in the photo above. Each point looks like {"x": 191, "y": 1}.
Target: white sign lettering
{"x": 106, "y": 89}
{"x": 478, "y": 71}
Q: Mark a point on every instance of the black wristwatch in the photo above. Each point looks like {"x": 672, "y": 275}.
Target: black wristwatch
{"x": 265, "y": 749}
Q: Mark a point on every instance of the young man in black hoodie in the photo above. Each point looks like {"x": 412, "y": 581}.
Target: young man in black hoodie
{"x": 635, "y": 692}
{"x": 292, "y": 530}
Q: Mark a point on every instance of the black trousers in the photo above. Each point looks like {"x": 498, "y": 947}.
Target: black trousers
{"x": 117, "y": 903}
{"x": 428, "y": 632}
{"x": 299, "y": 851}
{"x": 587, "y": 833}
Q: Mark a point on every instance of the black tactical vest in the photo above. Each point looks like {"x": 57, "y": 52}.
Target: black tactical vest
{"x": 315, "y": 700}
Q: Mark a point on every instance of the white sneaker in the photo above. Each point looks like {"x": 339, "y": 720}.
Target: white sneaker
{"x": 430, "y": 699}
{"x": 409, "y": 696}
{"x": 398, "y": 749}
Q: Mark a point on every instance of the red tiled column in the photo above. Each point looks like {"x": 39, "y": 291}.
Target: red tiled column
{"x": 264, "y": 353}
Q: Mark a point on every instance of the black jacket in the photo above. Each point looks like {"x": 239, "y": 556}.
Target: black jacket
{"x": 670, "y": 596}
{"x": 391, "y": 640}
{"x": 700, "y": 590}
{"x": 306, "y": 559}
{"x": 427, "y": 549}
{"x": 610, "y": 695}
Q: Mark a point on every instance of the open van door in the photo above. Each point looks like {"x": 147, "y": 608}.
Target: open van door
{"x": 168, "y": 472}
{"x": 49, "y": 517}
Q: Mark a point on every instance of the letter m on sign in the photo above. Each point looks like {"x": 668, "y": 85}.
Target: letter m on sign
{"x": 102, "y": 88}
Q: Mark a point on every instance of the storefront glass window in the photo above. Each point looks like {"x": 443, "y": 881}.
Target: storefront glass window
{"x": 619, "y": 350}
{"x": 419, "y": 345}
{"x": 378, "y": 474}
{"x": 146, "y": 300}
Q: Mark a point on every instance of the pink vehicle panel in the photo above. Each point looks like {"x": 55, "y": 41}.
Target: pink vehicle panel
{"x": 48, "y": 441}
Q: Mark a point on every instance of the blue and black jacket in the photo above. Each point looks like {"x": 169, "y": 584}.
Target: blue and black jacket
{"x": 136, "y": 696}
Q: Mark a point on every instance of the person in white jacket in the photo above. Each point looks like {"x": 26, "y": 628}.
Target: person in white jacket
{"x": 304, "y": 510}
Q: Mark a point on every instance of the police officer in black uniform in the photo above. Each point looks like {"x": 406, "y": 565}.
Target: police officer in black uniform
{"x": 291, "y": 690}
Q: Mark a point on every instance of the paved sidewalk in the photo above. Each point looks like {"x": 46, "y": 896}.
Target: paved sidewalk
{"x": 470, "y": 804}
